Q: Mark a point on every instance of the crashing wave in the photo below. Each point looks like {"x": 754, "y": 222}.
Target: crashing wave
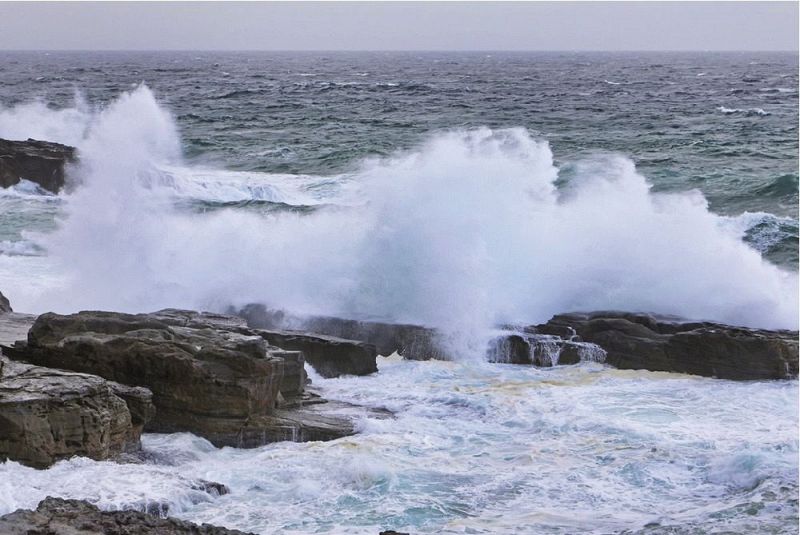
{"x": 463, "y": 232}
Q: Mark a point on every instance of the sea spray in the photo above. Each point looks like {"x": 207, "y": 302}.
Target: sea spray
{"x": 38, "y": 121}
{"x": 463, "y": 232}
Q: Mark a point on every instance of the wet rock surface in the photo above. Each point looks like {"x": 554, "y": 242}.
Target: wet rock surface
{"x": 41, "y": 162}
{"x": 673, "y": 344}
{"x": 47, "y": 415}
{"x": 58, "y": 516}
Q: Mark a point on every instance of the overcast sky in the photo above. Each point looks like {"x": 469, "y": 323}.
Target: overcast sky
{"x": 400, "y": 25}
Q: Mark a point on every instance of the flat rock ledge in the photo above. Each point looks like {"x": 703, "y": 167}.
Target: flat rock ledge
{"x": 209, "y": 374}
{"x": 78, "y": 517}
{"x": 673, "y": 344}
{"x": 47, "y": 415}
{"x": 41, "y": 162}
{"x": 622, "y": 339}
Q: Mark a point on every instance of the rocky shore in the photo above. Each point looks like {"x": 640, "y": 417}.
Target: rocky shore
{"x": 621, "y": 339}
{"x": 89, "y": 384}
{"x": 40, "y": 162}
{"x": 58, "y": 516}
{"x": 171, "y": 371}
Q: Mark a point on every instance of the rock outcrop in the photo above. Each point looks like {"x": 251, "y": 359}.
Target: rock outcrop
{"x": 542, "y": 350}
{"x": 413, "y": 342}
{"x": 41, "y": 162}
{"x": 5, "y": 306}
{"x": 78, "y": 517}
{"x": 623, "y": 340}
{"x": 330, "y": 356}
{"x": 49, "y": 414}
{"x": 209, "y": 373}
{"x": 668, "y": 343}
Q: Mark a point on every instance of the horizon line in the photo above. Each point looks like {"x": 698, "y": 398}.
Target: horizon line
{"x": 329, "y": 51}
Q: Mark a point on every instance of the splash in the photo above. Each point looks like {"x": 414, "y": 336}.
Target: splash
{"x": 466, "y": 231}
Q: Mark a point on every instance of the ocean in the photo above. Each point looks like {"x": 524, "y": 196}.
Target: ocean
{"x": 456, "y": 190}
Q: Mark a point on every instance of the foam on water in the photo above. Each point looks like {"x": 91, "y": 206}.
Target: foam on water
{"x": 483, "y": 449}
{"x": 748, "y": 111}
{"x": 463, "y": 232}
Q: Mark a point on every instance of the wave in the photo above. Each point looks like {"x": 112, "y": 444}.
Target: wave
{"x": 463, "y": 232}
{"x": 20, "y": 248}
{"x": 744, "y": 111}
{"x": 36, "y": 120}
{"x": 782, "y": 186}
{"x": 26, "y": 189}
{"x": 777, "y": 90}
{"x": 230, "y": 187}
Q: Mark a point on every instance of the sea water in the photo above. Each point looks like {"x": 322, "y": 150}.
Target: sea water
{"x": 456, "y": 190}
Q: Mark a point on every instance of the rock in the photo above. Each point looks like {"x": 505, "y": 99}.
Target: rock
{"x": 411, "y": 341}
{"x": 5, "y": 306}
{"x": 330, "y": 356}
{"x": 77, "y": 517}
{"x": 543, "y": 350}
{"x": 41, "y": 162}
{"x": 140, "y": 404}
{"x": 48, "y": 414}
{"x": 204, "y": 379}
{"x": 669, "y": 343}
{"x": 209, "y": 373}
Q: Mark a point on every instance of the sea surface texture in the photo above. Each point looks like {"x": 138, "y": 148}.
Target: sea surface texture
{"x": 456, "y": 190}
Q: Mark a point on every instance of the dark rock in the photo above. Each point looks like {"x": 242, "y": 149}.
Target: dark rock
{"x": 393, "y": 532}
{"x": 209, "y": 374}
{"x": 669, "y": 343}
{"x": 140, "y": 404}
{"x": 41, "y": 162}
{"x": 48, "y": 414}
{"x": 205, "y": 379}
{"x": 294, "y": 372}
{"x": 76, "y": 517}
{"x": 5, "y": 306}
{"x": 211, "y": 487}
{"x": 411, "y": 341}
{"x": 330, "y": 356}
{"x": 542, "y": 350}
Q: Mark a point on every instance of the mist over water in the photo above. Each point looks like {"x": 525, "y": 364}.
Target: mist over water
{"x": 462, "y": 232}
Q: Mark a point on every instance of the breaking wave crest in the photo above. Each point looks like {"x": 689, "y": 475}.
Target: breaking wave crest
{"x": 463, "y": 232}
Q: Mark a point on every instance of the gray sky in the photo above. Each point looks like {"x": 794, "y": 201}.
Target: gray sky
{"x": 400, "y": 25}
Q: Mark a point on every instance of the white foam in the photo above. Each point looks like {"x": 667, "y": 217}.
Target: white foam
{"x": 482, "y": 448}
{"x": 745, "y": 111}
{"x": 27, "y": 190}
{"x": 19, "y": 248}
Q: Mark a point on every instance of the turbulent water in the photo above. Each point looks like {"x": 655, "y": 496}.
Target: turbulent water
{"x": 456, "y": 190}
